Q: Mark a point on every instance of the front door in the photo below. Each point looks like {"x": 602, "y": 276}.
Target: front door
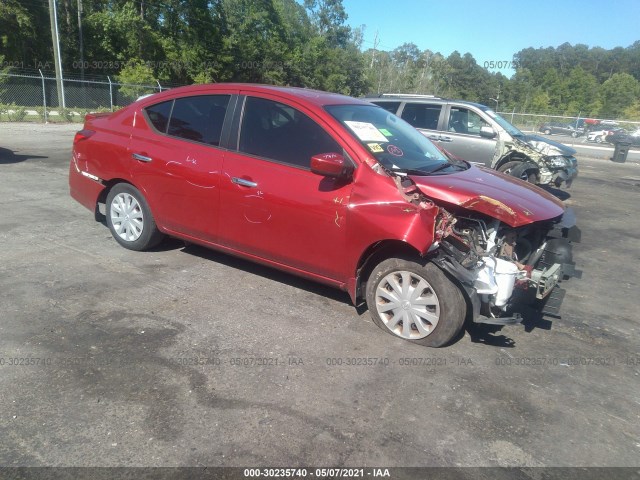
{"x": 273, "y": 206}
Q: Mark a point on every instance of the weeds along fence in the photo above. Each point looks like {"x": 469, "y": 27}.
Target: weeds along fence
{"x": 33, "y": 96}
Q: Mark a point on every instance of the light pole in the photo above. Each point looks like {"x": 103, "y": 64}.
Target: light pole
{"x": 53, "y": 17}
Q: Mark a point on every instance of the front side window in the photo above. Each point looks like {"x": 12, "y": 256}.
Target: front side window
{"x": 199, "y": 118}
{"x": 463, "y": 120}
{"x": 279, "y": 132}
{"x": 422, "y": 115}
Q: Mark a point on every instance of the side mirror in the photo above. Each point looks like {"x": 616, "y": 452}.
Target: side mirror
{"x": 331, "y": 165}
{"x": 487, "y": 132}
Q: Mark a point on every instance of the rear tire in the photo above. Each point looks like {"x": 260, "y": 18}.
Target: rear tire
{"x": 129, "y": 218}
{"x": 415, "y": 301}
{"x": 527, "y": 175}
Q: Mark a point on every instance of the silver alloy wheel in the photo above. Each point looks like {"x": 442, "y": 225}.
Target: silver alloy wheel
{"x": 408, "y": 305}
{"x": 126, "y": 217}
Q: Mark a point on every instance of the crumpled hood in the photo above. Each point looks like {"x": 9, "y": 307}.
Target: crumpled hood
{"x": 500, "y": 196}
{"x": 549, "y": 147}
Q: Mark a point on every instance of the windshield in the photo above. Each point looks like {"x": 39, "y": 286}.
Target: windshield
{"x": 511, "y": 130}
{"x": 392, "y": 141}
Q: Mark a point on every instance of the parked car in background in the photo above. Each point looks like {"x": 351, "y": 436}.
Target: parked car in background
{"x": 559, "y": 128}
{"x": 599, "y": 136}
{"x": 622, "y": 136}
{"x": 477, "y": 134}
{"x": 333, "y": 189}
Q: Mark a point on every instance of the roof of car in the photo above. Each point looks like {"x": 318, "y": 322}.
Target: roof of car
{"x": 304, "y": 95}
{"x": 419, "y": 98}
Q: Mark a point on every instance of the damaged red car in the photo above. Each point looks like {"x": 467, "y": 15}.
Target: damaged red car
{"x": 333, "y": 189}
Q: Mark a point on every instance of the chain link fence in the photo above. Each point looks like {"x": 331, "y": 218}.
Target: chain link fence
{"x": 30, "y": 96}
{"x": 531, "y": 122}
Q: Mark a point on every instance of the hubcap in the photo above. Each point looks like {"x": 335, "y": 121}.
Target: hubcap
{"x": 408, "y": 305}
{"x": 126, "y": 217}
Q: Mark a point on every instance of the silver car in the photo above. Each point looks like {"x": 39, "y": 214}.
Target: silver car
{"x": 477, "y": 134}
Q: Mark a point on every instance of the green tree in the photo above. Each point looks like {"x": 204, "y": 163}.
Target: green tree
{"x": 618, "y": 93}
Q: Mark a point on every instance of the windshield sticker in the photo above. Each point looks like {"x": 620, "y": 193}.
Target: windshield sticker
{"x": 366, "y": 131}
{"x": 385, "y": 132}
{"x": 395, "y": 151}
{"x": 375, "y": 147}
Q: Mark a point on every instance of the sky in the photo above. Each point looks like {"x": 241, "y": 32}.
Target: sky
{"x": 493, "y": 30}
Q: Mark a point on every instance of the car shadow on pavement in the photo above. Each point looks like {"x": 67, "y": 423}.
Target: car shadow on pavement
{"x": 9, "y": 156}
{"x": 267, "y": 272}
{"x": 556, "y": 192}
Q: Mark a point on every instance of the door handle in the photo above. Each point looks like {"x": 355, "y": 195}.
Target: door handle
{"x": 141, "y": 158}
{"x": 446, "y": 139}
{"x": 433, "y": 137}
{"x": 243, "y": 182}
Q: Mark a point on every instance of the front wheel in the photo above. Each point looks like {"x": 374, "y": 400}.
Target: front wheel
{"x": 527, "y": 175}
{"x": 129, "y": 218}
{"x": 574, "y": 134}
{"x": 415, "y": 302}
{"x": 599, "y": 139}
{"x": 547, "y": 132}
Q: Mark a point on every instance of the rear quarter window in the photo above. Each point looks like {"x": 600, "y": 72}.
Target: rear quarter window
{"x": 158, "y": 115}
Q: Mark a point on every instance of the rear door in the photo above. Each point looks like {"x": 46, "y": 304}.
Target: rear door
{"x": 461, "y": 135}
{"x": 273, "y": 206}
{"x": 176, "y": 159}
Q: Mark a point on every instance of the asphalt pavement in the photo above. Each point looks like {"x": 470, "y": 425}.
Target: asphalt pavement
{"x": 186, "y": 357}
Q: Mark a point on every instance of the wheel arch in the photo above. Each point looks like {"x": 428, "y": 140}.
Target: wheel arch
{"x": 372, "y": 256}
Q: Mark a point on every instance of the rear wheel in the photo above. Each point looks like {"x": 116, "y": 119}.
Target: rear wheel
{"x": 599, "y": 139}
{"x": 415, "y": 302}
{"x": 574, "y": 134}
{"x": 547, "y": 132}
{"x": 527, "y": 175}
{"x": 129, "y": 218}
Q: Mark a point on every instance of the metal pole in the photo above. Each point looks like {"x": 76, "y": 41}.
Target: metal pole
{"x": 110, "y": 93}
{"x": 44, "y": 97}
{"x": 159, "y": 86}
{"x": 53, "y": 17}
{"x": 81, "y": 41}
{"x": 512, "y": 113}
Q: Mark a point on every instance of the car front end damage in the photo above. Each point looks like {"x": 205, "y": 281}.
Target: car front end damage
{"x": 553, "y": 163}
{"x": 503, "y": 268}
{"x": 504, "y": 254}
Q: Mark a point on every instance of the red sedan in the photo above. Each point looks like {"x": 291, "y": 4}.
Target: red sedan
{"x": 330, "y": 188}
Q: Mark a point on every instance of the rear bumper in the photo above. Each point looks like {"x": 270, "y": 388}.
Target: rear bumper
{"x": 84, "y": 187}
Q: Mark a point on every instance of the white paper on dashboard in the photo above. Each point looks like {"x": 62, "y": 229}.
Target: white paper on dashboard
{"x": 366, "y": 131}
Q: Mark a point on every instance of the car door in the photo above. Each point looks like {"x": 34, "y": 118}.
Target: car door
{"x": 177, "y": 162}
{"x": 273, "y": 206}
{"x": 461, "y": 135}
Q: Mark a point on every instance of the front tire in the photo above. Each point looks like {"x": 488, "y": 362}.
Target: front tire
{"x": 547, "y": 132}
{"x": 415, "y": 301}
{"x": 129, "y": 218}
{"x": 527, "y": 175}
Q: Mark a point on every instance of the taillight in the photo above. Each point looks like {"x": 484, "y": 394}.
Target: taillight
{"x": 82, "y": 135}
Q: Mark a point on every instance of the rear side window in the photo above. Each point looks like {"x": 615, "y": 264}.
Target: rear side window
{"x": 282, "y": 133}
{"x": 199, "y": 118}
{"x": 388, "y": 106}
{"x": 422, "y": 115}
{"x": 159, "y": 115}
